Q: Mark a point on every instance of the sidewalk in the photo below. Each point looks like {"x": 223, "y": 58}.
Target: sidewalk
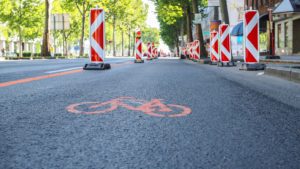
{"x": 283, "y": 60}
{"x": 287, "y": 67}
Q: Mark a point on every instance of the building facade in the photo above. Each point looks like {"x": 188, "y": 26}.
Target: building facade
{"x": 286, "y": 17}
{"x": 279, "y": 19}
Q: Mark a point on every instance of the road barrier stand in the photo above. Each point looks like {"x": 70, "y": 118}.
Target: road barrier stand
{"x": 214, "y": 47}
{"x": 225, "y": 46}
{"x": 149, "y": 51}
{"x": 152, "y": 50}
{"x": 193, "y": 51}
{"x": 196, "y": 50}
{"x": 97, "y": 41}
{"x": 251, "y": 41}
{"x": 138, "y": 47}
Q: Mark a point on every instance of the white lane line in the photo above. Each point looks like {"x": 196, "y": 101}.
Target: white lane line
{"x": 261, "y": 73}
{"x": 63, "y": 70}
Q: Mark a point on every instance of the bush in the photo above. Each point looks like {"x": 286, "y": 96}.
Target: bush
{"x": 36, "y": 54}
{"x": 26, "y": 54}
{"x": 57, "y": 55}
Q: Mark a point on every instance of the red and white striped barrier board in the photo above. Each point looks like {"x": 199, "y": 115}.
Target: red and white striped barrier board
{"x": 97, "y": 35}
{"x": 251, "y": 36}
{"x": 214, "y": 46}
{"x": 197, "y": 50}
{"x": 138, "y": 45}
{"x": 225, "y": 49}
{"x": 193, "y": 50}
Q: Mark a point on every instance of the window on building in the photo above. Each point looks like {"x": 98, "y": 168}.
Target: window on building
{"x": 286, "y": 36}
{"x": 279, "y": 35}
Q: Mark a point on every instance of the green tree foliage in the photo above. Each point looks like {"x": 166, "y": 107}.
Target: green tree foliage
{"x": 22, "y": 18}
{"x": 27, "y": 19}
{"x": 176, "y": 17}
{"x": 151, "y": 35}
{"x": 170, "y": 17}
{"x": 82, "y": 7}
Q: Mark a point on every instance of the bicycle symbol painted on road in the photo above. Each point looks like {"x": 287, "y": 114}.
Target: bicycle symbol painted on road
{"x": 155, "y": 107}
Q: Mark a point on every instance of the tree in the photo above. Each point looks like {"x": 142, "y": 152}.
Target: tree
{"x": 23, "y": 18}
{"x": 127, "y": 14}
{"x": 199, "y": 32}
{"x": 224, "y": 11}
{"x": 82, "y": 6}
{"x": 171, "y": 17}
{"x": 75, "y": 23}
{"x": 150, "y": 35}
{"x": 46, "y": 36}
{"x": 136, "y": 15}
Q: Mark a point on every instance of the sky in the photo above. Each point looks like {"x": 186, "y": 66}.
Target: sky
{"x": 152, "y": 17}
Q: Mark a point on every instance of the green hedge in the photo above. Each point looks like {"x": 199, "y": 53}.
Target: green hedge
{"x": 28, "y": 54}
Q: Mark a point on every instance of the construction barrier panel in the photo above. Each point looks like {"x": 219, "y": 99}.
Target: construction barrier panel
{"x": 97, "y": 41}
{"x": 251, "y": 36}
{"x": 214, "y": 46}
{"x": 225, "y": 43}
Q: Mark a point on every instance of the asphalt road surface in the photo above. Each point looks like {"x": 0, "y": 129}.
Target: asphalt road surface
{"x": 55, "y": 115}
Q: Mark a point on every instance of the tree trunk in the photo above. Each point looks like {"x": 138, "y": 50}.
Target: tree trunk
{"x": 114, "y": 36}
{"x": 45, "y": 44}
{"x": 256, "y": 4}
{"x": 81, "y": 43}
{"x": 189, "y": 23}
{"x": 216, "y": 13}
{"x": 182, "y": 33}
{"x": 20, "y": 43}
{"x": 129, "y": 42}
{"x": 224, "y": 11}
{"x": 67, "y": 51}
{"x": 177, "y": 43}
{"x": 122, "y": 43}
{"x": 133, "y": 49}
{"x": 64, "y": 43}
{"x": 203, "y": 52}
{"x": 247, "y": 5}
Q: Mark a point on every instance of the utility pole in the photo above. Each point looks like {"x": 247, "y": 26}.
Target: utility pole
{"x": 224, "y": 11}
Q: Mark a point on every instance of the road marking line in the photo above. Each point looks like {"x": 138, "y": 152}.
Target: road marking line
{"x": 63, "y": 70}
{"x": 27, "y": 80}
{"x": 261, "y": 73}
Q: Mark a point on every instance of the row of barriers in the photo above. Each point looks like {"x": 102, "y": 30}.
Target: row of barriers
{"x": 220, "y": 44}
{"x": 97, "y": 43}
